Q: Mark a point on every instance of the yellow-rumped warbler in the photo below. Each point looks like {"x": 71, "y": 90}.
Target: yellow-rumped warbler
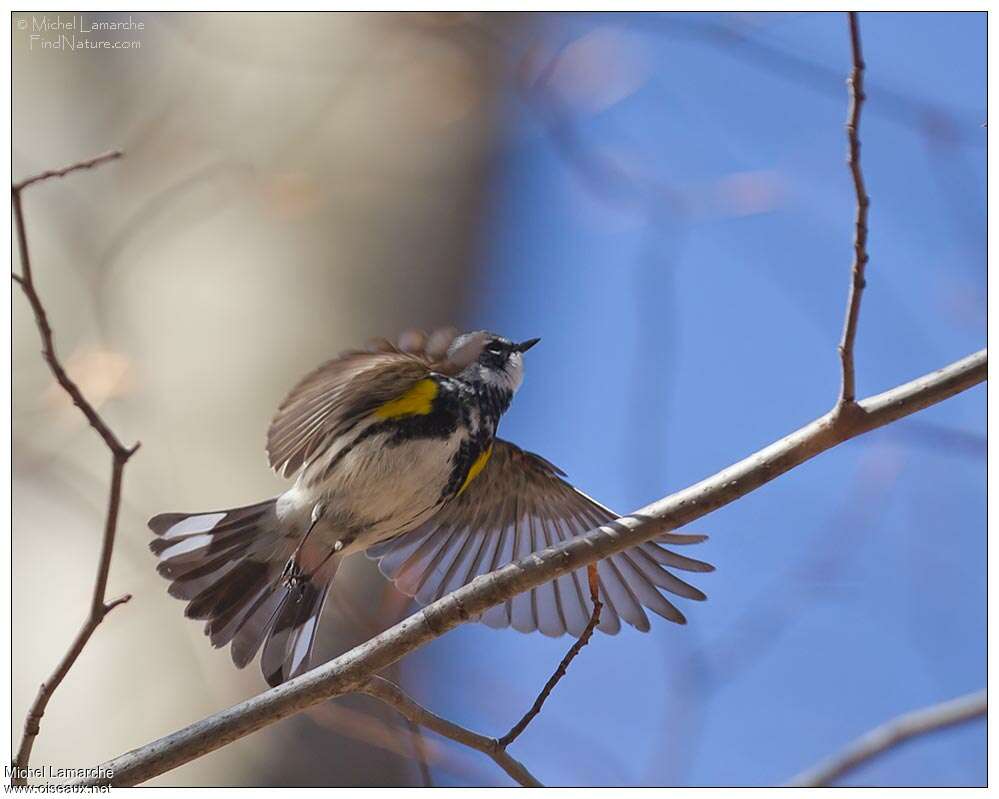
{"x": 396, "y": 453}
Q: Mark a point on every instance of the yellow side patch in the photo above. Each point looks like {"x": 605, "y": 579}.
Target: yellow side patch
{"x": 416, "y": 402}
{"x": 477, "y": 466}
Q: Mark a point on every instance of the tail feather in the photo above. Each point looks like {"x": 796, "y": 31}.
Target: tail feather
{"x": 186, "y": 565}
{"x": 230, "y": 568}
{"x": 190, "y": 586}
{"x": 223, "y": 628}
{"x": 181, "y": 525}
{"x": 211, "y": 566}
{"x": 256, "y": 625}
{"x": 293, "y": 634}
{"x": 228, "y": 592}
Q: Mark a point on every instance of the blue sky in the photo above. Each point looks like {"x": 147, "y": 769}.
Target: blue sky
{"x": 679, "y": 336}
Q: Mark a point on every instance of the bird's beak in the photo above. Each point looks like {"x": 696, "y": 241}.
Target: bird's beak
{"x": 524, "y": 346}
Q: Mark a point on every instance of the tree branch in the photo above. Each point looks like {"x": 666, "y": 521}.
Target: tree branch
{"x": 892, "y": 734}
{"x": 27, "y": 284}
{"x": 99, "y": 606}
{"x": 391, "y": 694}
{"x": 353, "y": 669}
{"x": 856, "y": 83}
{"x": 90, "y": 163}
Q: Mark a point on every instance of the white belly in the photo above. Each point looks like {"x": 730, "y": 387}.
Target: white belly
{"x": 375, "y": 491}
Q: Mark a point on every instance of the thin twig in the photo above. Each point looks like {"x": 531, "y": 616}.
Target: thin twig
{"x": 391, "y": 694}
{"x": 351, "y": 670}
{"x": 848, "y": 391}
{"x": 583, "y": 640}
{"x": 89, "y": 163}
{"x": 415, "y": 714}
{"x": 893, "y": 734}
{"x": 737, "y": 41}
{"x": 99, "y": 605}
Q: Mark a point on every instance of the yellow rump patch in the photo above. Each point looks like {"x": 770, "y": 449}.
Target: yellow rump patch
{"x": 477, "y": 466}
{"x": 418, "y": 401}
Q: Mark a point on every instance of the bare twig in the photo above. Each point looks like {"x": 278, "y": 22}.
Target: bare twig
{"x": 27, "y": 283}
{"x": 931, "y": 120}
{"x": 99, "y": 605}
{"x": 856, "y": 83}
{"x": 892, "y": 734}
{"x": 582, "y": 641}
{"x": 353, "y": 669}
{"x": 89, "y": 163}
{"x": 391, "y": 694}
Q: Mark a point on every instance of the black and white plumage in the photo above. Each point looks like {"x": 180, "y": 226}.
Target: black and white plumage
{"x": 396, "y": 455}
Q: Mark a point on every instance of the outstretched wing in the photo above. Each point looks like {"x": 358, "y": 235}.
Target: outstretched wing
{"x": 520, "y": 504}
{"x": 331, "y": 399}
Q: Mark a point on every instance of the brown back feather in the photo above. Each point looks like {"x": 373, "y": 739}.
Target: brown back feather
{"x": 330, "y": 399}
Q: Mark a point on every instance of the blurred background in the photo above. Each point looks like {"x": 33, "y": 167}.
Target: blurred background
{"x": 663, "y": 199}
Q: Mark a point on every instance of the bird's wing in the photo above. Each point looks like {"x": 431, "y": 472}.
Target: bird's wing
{"x": 520, "y": 504}
{"x": 332, "y": 398}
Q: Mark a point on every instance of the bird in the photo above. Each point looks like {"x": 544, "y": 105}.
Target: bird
{"x": 394, "y": 453}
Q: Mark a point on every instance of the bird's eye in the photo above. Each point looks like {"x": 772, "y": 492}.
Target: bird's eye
{"x": 495, "y": 348}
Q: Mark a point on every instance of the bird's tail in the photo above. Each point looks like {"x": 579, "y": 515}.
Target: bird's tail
{"x": 235, "y": 570}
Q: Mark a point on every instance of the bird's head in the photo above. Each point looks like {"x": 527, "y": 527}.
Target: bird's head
{"x": 491, "y": 359}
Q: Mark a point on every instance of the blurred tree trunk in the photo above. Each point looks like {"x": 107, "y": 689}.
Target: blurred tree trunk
{"x": 293, "y": 184}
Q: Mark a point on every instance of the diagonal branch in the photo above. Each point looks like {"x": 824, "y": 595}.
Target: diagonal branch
{"x": 99, "y": 605}
{"x": 391, "y": 694}
{"x": 892, "y": 734}
{"x": 856, "y": 83}
{"x": 351, "y": 670}
{"x": 415, "y": 714}
{"x": 583, "y": 640}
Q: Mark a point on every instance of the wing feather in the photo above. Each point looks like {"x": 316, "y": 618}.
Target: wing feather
{"x": 473, "y": 553}
{"x": 621, "y": 593}
{"x": 421, "y": 564}
{"x": 658, "y": 576}
{"x": 644, "y": 590}
{"x": 522, "y": 606}
{"x": 331, "y": 399}
{"x": 576, "y": 596}
{"x": 520, "y": 504}
{"x": 484, "y": 554}
{"x": 444, "y": 563}
{"x": 550, "y": 619}
{"x": 610, "y": 619}
{"x": 469, "y": 543}
{"x": 498, "y": 616}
